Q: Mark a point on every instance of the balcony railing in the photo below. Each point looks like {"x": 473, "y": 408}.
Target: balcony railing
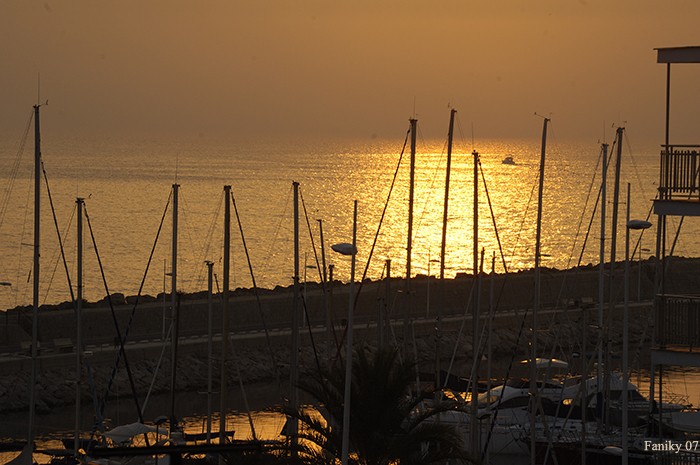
{"x": 678, "y": 321}
{"x": 679, "y": 172}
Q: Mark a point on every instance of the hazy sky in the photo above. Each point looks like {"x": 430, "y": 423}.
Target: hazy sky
{"x": 281, "y": 68}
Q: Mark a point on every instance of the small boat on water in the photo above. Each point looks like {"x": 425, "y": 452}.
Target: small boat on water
{"x": 508, "y": 160}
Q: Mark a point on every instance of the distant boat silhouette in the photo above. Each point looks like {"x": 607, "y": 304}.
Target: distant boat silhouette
{"x": 508, "y": 160}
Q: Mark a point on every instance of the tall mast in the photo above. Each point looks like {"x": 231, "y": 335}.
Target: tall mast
{"x": 616, "y": 201}
{"x": 601, "y": 274}
{"x": 476, "y": 295}
{"x": 438, "y": 325}
{"x": 78, "y": 328}
{"x": 35, "y": 300}
{"x": 294, "y": 373}
{"x": 536, "y": 305}
{"x": 175, "y": 313}
{"x": 345, "y": 442}
{"x": 447, "y": 194}
{"x": 409, "y": 244}
{"x": 613, "y": 253}
{"x": 210, "y": 356}
{"x": 224, "y": 310}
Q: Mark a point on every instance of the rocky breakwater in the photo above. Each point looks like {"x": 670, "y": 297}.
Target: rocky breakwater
{"x": 259, "y": 358}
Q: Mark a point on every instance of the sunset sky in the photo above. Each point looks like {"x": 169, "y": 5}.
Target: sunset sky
{"x": 308, "y": 68}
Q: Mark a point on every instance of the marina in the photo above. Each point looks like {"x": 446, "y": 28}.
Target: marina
{"x": 181, "y": 286}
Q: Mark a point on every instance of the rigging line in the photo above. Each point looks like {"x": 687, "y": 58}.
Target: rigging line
{"x": 634, "y": 165}
{"x": 313, "y": 244}
{"x": 210, "y": 234}
{"x": 184, "y": 210}
{"x": 381, "y": 218}
{"x": 374, "y": 242}
{"x": 493, "y": 216}
{"x": 595, "y": 209}
{"x": 583, "y": 213}
{"x": 522, "y": 222}
{"x": 505, "y": 379}
{"x": 232, "y": 350}
{"x": 58, "y": 232}
{"x": 431, "y": 188}
{"x": 22, "y": 236}
{"x": 311, "y": 334}
{"x": 155, "y": 372}
{"x": 145, "y": 274}
{"x": 273, "y": 359}
{"x": 14, "y": 170}
{"x": 56, "y": 260}
{"x": 121, "y": 353}
{"x": 576, "y": 236}
{"x": 461, "y": 329}
{"x": 270, "y": 254}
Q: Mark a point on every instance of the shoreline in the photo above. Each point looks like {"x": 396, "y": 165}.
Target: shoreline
{"x": 258, "y": 347}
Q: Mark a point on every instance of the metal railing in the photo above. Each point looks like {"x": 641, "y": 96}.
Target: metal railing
{"x": 679, "y": 172}
{"x": 678, "y": 321}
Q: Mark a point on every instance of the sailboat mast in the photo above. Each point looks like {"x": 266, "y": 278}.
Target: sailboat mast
{"x": 224, "y": 311}
{"x": 175, "y": 313}
{"x": 447, "y": 194}
{"x": 35, "y": 299}
{"x": 78, "y": 327}
{"x": 210, "y": 331}
{"x": 474, "y": 427}
{"x": 294, "y": 369}
{"x": 536, "y": 304}
{"x": 345, "y": 440}
{"x": 409, "y": 245}
{"x": 613, "y": 253}
{"x": 616, "y": 198}
{"x": 601, "y": 274}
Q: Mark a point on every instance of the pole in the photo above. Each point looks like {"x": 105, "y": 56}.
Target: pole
{"x": 474, "y": 427}
{"x": 443, "y": 244}
{"x": 625, "y": 339}
{"x": 35, "y": 300}
{"x": 601, "y": 278}
{"x": 536, "y": 306}
{"x": 407, "y": 306}
{"x": 294, "y": 373}
{"x": 78, "y": 329}
{"x": 447, "y": 195}
{"x": 210, "y": 354}
{"x": 348, "y": 348}
{"x": 174, "y": 309}
{"x": 613, "y": 253}
{"x": 225, "y": 316}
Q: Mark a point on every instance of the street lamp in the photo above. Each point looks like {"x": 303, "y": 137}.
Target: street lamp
{"x": 636, "y": 225}
{"x": 348, "y": 250}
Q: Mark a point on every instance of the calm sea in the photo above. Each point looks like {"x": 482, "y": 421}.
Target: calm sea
{"x": 126, "y": 184}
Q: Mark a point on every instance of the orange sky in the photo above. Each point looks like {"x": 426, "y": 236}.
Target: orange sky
{"x": 284, "y": 68}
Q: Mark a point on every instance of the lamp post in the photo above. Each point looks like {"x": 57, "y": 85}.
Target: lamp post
{"x": 637, "y": 225}
{"x": 351, "y": 250}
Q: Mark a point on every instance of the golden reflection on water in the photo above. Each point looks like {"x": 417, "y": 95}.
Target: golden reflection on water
{"x": 126, "y": 185}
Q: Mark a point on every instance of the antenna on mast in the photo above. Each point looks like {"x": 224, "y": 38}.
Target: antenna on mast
{"x": 38, "y": 92}
{"x": 472, "y": 136}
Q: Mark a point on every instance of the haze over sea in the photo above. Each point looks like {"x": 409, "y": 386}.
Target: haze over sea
{"x": 126, "y": 185}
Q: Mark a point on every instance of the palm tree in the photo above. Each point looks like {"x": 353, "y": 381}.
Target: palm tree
{"x": 386, "y": 424}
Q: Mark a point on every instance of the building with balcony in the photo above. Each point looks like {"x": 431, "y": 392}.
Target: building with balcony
{"x": 677, "y": 317}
